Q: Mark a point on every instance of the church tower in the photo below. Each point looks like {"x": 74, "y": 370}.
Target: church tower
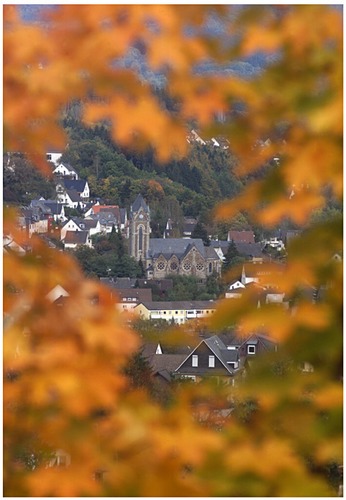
{"x": 139, "y": 229}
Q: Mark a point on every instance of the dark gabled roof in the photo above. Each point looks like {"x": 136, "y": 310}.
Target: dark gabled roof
{"x": 141, "y": 294}
{"x": 210, "y": 253}
{"x": 54, "y": 207}
{"x": 223, "y": 244}
{"x": 73, "y": 194}
{"x": 139, "y": 203}
{"x": 77, "y": 184}
{"x": 249, "y": 249}
{"x": 169, "y": 362}
{"x": 76, "y": 237}
{"x": 179, "y": 305}
{"x": 219, "y": 349}
{"x": 125, "y": 282}
{"x": 177, "y": 246}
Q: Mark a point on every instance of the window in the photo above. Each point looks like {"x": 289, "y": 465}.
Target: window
{"x": 211, "y": 362}
{"x": 161, "y": 266}
{"x": 251, "y": 349}
{"x": 174, "y": 266}
{"x": 210, "y": 267}
{"x": 140, "y": 238}
{"x": 194, "y": 360}
{"x": 186, "y": 266}
{"x": 200, "y": 266}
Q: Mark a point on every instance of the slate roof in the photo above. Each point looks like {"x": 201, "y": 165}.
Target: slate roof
{"x": 176, "y": 246}
{"x": 77, "y": 184}
{"x": 141, "y": 294}
{"x": 67, "y": 166}
{"x": 76, "y": 237}
{"x": 169, "y": 362}
{"x": 74, "y": 196}
{"x": 179, "y": 305}
{"x": 249, "y": 249}
{"x": 54, "y": 207}
{"x": 139, "y": 203}
{"x": 119, "y": 283}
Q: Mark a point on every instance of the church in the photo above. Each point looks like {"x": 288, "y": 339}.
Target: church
{"x": 163, "y": 257}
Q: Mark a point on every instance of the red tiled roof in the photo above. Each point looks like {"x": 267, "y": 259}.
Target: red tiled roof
{"x": 241, "y": 236}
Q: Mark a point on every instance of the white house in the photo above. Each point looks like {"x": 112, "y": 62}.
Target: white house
{"x": 75, "y": 239}
{"x": 65, "y": 170}
{"x": 54, "y": 156}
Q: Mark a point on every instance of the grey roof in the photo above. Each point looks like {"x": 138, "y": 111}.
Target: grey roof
{"x": 77, "y": 184}
{"x": 54, "y": 207}
{"x": 84, "y": 223}
{"x": 169, "y": 362}
{"x": 221, "y": 351}
{"x": 220, "y": 244}
{"x": 177, "y": 246}
{"x": 105, "y": 218}
{"x": 180, "y": 304}
{"x": 139, "y": 203}
{"x": 74, "y": 196}
{"x": 76, "y": 237}
{"x": 249, "y": 249}
{"x": 141, "y": 294}
{"x": 210, "y": 253}
{"x": 224, "y": 355}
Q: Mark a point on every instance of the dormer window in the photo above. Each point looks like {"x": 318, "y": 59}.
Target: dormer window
{"x": 251, "y": 349}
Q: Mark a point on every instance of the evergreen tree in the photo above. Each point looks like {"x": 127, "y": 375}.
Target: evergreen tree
{"x": 232, "y": 256}
{"x": 200, "y": 231}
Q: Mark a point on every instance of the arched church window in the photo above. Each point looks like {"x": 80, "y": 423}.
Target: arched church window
{"x": 160, "y": 266}
{"x": 186, "y": 266}
{"x": 140, "y": 238}
{"x": 174, "y": 266}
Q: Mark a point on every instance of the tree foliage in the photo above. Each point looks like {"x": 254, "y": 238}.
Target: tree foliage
{"x": 64, "y": 385}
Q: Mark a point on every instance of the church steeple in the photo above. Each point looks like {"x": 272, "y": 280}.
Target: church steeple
{"x": 139, "y": 229}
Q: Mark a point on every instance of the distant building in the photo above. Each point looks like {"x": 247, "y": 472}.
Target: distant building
{"x": 162, "y": 257}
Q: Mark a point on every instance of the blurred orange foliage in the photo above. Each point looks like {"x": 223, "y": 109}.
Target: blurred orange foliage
{"x": 64, "y": 383}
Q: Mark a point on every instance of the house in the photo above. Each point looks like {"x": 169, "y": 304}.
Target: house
{"x": 189, "y": 225}
{"x": 56, "y": 210}
{"x": 120, "y": 214}
{"x": 235, "y": 290}
{"x": 163, "y": 257}
{"x": 32, "y": 221}
{"x": 252, "y": 252}
{"x": 79, "y": 185}
{"x": 56, "y": 293}
{"x": 65, "y": 170}
{"x": 54, "y": 156}
{"x": 211, "y": 358}
{"x": 241, "y": 236}
{"x": 257, "y": 344}
{"x": 176, "y": 312}
{"x": 129, "y": 298}
{"x": 10, "y": 245}
{"x": 75, "y": 239}
{"x": 71, "y": 199}
{"x": 107, "y": 221}
{"x": 76, "y": 224}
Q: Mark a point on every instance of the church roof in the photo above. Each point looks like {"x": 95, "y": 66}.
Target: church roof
{"x": 139, "y": 203}
{"x": 177, "y": 246}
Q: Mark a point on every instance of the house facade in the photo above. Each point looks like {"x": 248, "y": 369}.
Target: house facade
{"x": 176, "y": 312}
{"x": 211, "y": 358}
